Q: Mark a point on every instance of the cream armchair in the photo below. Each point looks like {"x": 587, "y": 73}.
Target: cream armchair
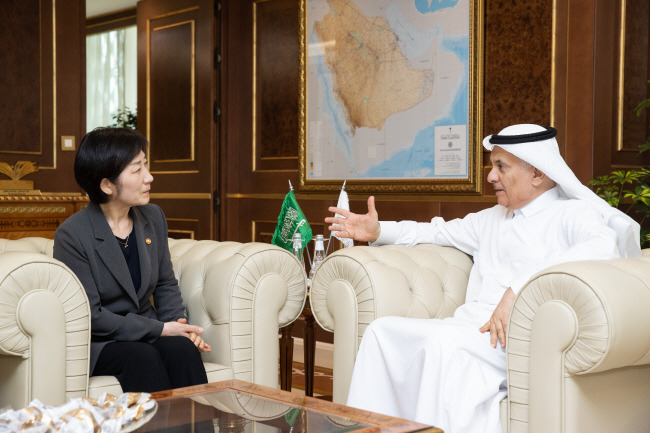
{"x": 241, "y": 294}
{"x": 578, "y": 346}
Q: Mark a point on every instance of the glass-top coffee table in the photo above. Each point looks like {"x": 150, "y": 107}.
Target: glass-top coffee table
{"x": 235, "y": 406}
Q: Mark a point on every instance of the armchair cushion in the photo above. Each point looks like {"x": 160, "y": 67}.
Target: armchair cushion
{"x": 355, "y": 286}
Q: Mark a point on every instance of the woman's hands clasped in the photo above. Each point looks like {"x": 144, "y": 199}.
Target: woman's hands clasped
{"x": 190, "y": 331}
{"x": 364, "y": 228}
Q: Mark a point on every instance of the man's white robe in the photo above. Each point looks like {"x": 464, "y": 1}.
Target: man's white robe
{"x": 445, "y": 372}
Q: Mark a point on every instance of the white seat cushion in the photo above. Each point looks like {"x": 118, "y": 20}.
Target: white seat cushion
{"x": 100, "y": 384}
{"x": 217, "y": 372}
{"x": 97, "y": 385}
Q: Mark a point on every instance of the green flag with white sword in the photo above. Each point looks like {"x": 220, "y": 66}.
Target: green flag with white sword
{"x": 290, "y": 221}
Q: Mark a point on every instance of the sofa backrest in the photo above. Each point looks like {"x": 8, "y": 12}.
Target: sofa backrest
{"x": 32, "y": 245}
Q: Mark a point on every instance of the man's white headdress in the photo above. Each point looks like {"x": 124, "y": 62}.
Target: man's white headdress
{"x": 537, "y": 146}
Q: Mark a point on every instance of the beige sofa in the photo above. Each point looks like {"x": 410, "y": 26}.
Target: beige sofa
{"x": 578, "y": 348}
{"x": 241, "y": 294}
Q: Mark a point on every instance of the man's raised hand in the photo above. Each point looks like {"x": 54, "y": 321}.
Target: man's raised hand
{"x": 364, "y": 228}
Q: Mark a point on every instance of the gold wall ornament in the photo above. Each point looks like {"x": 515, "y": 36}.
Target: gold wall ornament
{"x": 19, "y": 170}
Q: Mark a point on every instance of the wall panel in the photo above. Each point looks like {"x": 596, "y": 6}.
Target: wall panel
{"x": 176, "y": 96}
{"x": 621, "y": 73}
{"x": 518, "y": 44}
{"x": 634, "y": 57}
{"x": 42, "y": 82}
{"x": 172, "y": 87}
{"x": 21, "y": 83}
{"x": 275, "y": 74}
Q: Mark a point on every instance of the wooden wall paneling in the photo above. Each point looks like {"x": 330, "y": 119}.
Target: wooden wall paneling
{"x": 633, "y": 129}
{"x": 619, "y": 87}
{"x": 274, "y": 160}
{"x": 235, "y": 106}
{"x": 559, "y": 71}
{"x": 275, "y": 85}
{"x": 583, "y": 55}
{"x": 263, "y": 230}
{"x": 605, "y": 80}
{"x": 71, "y": 92}
{"x": 176, "y": 93}
{"x": 184, "y": 225}
{"x": 518, "y": 67}
{"x": 24, "y": 36}
{"x": 518, "y": 41}
{"x": 43, "y": 86}
{"x": 111, "y": 21}
{"x": 630, "y": 64}
{"x": 580, "y": 89}
{"x": 172, "y": 90}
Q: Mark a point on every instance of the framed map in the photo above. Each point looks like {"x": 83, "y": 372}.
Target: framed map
{"x": 391, "y": 95}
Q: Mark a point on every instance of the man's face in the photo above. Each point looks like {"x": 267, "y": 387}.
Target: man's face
{"x": 513, "y": 183}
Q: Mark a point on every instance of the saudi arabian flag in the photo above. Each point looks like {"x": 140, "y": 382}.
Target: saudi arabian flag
{"x": 290, "y": 221}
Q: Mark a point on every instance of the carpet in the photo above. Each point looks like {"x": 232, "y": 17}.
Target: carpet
{"x": 323, "y": 380}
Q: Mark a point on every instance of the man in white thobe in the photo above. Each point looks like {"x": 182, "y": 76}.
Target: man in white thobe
{"x": 452, "y": 372}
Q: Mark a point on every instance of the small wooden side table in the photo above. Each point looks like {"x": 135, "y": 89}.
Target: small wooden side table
{"x": 286, "y": 352}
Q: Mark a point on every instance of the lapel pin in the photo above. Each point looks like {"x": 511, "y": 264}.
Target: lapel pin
{"x": 148, "y": 241}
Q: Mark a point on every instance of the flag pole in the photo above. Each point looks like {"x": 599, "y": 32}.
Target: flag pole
{"x": 330, "y": 238}
{"x": 307, "y": 244}
{"x": 328, "y": 244}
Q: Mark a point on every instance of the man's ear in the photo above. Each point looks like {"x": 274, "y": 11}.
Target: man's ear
{"x": 538, "y": 177}
{"x": 107, "y": 186}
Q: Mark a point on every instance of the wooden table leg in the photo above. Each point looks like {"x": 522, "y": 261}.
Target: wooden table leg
{"x": 286, "y": 357}
{"x": 310, "y": 354}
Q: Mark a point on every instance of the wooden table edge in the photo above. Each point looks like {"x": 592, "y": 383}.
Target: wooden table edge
{"x": 383, "y": 423}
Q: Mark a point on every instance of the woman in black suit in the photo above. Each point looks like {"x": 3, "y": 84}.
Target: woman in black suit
{"x": 117, "y": 247}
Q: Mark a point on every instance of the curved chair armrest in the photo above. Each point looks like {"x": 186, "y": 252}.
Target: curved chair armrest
{"x": 571, "y": 319}
{"x": 241, "y": 294}
{"x": 355, "y": 286}
{"x": 44, "y": 331}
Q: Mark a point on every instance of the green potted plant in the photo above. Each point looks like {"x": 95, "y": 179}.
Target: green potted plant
{"x": 125, "y": 118}
{"x": 630, "y": 189}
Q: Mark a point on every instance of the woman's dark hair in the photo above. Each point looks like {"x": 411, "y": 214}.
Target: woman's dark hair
{"x": 105, "y": 153}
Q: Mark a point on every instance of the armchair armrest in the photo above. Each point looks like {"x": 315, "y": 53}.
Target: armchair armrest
{"x": 574, "y": 319}
{"x": 44, "y": 331}
{"x": 355, "y": 286}
{"x": 241, "y": 294}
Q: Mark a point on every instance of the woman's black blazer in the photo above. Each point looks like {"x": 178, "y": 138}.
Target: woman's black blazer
{"x": 86, "y": 244}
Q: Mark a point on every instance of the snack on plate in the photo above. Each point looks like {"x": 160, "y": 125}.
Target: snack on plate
{"x": 108, "y": 414}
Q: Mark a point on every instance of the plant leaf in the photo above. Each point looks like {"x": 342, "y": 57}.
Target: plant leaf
{"x": 642, "y": 106}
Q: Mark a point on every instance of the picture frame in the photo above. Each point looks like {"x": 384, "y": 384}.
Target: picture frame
{"x": 391, "y": 96}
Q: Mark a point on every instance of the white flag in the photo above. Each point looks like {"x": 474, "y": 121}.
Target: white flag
{"x": 344, "y": 204}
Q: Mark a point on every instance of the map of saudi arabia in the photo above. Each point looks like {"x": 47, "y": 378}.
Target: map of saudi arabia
{"x": 372, "y": 78}
{"x": 387, "y": 88}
